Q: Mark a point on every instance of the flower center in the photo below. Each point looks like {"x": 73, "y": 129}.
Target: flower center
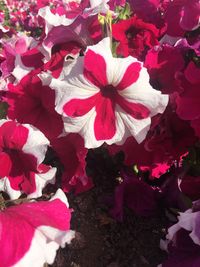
{"x": 132, "y": 32}
{"x": 108, "y": 91}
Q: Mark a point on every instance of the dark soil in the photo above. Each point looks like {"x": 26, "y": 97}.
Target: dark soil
{"x": 101, "y": 241}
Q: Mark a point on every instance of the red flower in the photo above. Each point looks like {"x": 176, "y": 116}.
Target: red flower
{"x": 135, "y": 37}
{"x": 31, "y": 102}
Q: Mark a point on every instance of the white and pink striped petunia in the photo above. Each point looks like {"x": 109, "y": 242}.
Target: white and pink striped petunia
{"x": 22, "y": 151}
{"x": 107, "y": 99}
{"x": 32, "y": 232}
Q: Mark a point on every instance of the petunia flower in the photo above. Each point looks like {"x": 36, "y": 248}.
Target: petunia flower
{"x": 183, "y": 252}
{"x": 163, "y": 64}
{"x": 21, "y": 55}
{"x": 71, "y": 23}
{"x": 168, "y": 139}
{"x": 22, "y": 151}
{"x": 107, "y": 99}
{"x": 135, "y": 37}
{"x": 72, "y": 154}
{"x": 30, "y": 102}
{"x": 181, "y": 16}
{"x": 183, "y": 239}
{"x": 188, "y": 220}
{"x": 32, "y": 232}
{"x": 188, "y": 100}
{"x": 136, "y": 195}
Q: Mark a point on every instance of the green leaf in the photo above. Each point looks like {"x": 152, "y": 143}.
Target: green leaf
{"x": 123, "y": 12}
{"x": 3, "y": 110}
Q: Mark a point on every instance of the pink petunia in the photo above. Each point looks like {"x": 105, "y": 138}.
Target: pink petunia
{"x": 107, "y": 99}
{"x": 32, "y": 232}
{"x": 22, "y": 150}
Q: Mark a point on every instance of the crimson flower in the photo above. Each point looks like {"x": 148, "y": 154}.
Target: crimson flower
{"x": 135, "y": 37}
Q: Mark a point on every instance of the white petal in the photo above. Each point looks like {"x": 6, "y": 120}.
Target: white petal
{"x": 36, "y": 143}
{"x": 60, "y": 195}
{"x": 137, "y": 128}
{"x": 73, "y": 86}
{"x": 171, "y": 40}
{"x": 20, "y": 69}
{"x": 142, "y": 92}
{"x": 83, "y": 125}
{"x": 43, "y": 251}
{"x": 41, "y": 180}
{"x": 54, "y": 19}
{"x": 120, "y": 67}
{"x": 103, "y": 48}
{"x": 6, "y": 187}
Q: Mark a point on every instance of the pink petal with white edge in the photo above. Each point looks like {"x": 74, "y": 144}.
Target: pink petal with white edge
{"x": 32, "y": 232}
{"x": 136, "y": 128}
{"x": 20, "y": 69}
{"x": 122, "y": 68}
{"x": 73, "y": 86}
{"x": 23, "y": 149}
{"x": 142, "y": 92}
{"x": 45, "y": 175}
{"x": 84, "y": 126}
{"x": 103, "y": 48}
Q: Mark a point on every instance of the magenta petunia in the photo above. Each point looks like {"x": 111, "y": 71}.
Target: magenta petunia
{"x": 190, "y": 185}
{"x": 22, "y": 151}
{"x": 167, "y": 140}
{"x": 32, "y": 232}
{"x": 109, "y": 100}
{"x": 188, "y": 101}
{"x": 31, "y": 102}
{"x": 135, "y": 194}
{"x": 72, "y": 154}
{"x": 163, "y": 64}
{"x": 181, "y": 16}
